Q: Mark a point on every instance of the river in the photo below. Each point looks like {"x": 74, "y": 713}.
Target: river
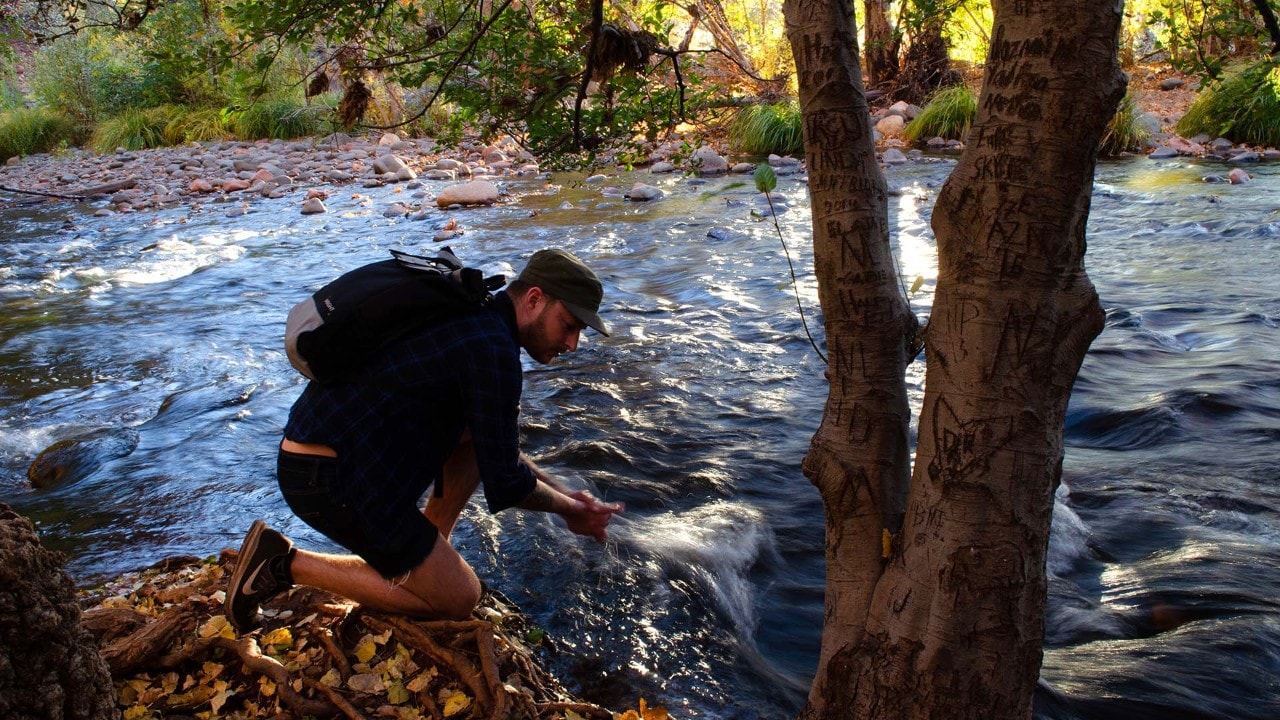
{"x": 155, "y": 340}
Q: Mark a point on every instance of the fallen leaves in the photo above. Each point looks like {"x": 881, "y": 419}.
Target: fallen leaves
{"x": 172, "y": 652}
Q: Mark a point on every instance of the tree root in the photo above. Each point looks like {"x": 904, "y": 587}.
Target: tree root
{"x": 170, "y": 650}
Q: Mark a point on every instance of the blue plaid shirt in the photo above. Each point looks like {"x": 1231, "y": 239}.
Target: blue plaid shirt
{"x": 394, "y": 426}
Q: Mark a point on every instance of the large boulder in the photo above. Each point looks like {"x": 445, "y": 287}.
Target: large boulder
{"x": 706, "y": 161}
{"x": 49, "y": 664}
{"x": 476, "y": 192}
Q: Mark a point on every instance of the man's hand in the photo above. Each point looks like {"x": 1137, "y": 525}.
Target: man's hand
{"x": 590, "y": 516}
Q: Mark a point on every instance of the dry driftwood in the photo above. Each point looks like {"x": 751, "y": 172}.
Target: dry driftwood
{"x": 94, "y": 191}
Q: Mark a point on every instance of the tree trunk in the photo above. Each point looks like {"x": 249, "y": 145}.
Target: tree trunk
{"x": 49, "y": 664}
{"x": 859, "y": 457}
{"x": 882, "y": 44}
{"x": 952, "y": 625}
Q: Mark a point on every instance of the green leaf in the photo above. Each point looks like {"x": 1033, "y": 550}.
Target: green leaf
{"x": 766, "y": 179}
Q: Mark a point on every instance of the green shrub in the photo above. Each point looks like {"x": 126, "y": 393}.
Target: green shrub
{"x": 88, "y": 76}
{"x": 764, "y": 129}
{"x": 1244, "y": 107}
{"x": 439, "y": 120}
{"x": 1123, "y": 132}
{"x": 279, "y": 118}
{"x": 949, "y": 114}
{"x": 25, "y": 131}
{"x": 133, "y": 130}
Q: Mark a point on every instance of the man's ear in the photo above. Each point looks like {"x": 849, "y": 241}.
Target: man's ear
{"x": 532, "y": 299}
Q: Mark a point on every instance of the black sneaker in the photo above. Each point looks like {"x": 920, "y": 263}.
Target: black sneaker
{"x": 262, "y": 572}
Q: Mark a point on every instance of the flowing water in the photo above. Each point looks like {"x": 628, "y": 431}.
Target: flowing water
{"x": 151, "y": 342}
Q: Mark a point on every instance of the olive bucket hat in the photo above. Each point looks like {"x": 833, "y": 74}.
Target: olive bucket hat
{"x": 567, "y": 279}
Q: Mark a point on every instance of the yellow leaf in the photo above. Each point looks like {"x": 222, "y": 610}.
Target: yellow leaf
{"x": 571, "y": 715}
{"x": 397, "y": 694}
{"x": 332, "y": 678}
{"x": 268, "y": 687}
{"x": 280, "y": 638}
{"x": 649, "y": 713}
{"x": 137, "y": 712}
{"x": 383, "y": 638}
{"x": 630, "y": 715}
{"x": 456, "y": 703}
{"x": 366, "y": 649}
{"x": 886, "y": 544}
{"x": 214, "y": 626}
{"x": 211, "y": 670}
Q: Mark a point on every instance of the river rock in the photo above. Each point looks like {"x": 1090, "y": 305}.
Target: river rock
{"x": 234, "y": 185}
{"x": 662, "y": 166}
{"x": 1172, "y": 83}
{"x": 1247, "y": 156}
{"x": 891, "y": 125}
{"x": 1238, "y": 176}
{"x": 1163, "y": 152}
{"x": 643, "y": 193}
{"x": 313, "y": 206}
{"x": 1185, "y": 147}
{"x": 1149, "y": 123}
{"x": 706, "y": 161}
{"x": 448, "y": 164}
{"x": 391, "y": 165}
{"x": 893, "y": 156}
{"x": 785, "y": 165}
{"x": 742, "y": 168}
{"x": 438, "y": 174}
{"x": 904, "y": 109}
{"x": 476, "y": 192}
{"x": 396, "y": 210}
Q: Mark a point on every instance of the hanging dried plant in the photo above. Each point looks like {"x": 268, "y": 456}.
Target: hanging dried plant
{"x": 620, "y": 48}
{"x": 318, "y": 85}
{"x": 354, "y": 102}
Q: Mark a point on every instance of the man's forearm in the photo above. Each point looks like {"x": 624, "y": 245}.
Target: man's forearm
{"x": 546, "y": 498}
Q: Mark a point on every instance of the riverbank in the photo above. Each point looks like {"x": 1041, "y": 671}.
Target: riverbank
{"x": 228, "y": 177}
{"x": 170, "y": 651}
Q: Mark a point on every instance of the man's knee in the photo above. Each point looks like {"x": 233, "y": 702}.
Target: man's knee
{"x": 447, "y": 584}
{"x": 462, "y": 601}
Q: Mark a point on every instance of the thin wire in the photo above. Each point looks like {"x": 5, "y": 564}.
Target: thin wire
{"x": 795, "y": 286}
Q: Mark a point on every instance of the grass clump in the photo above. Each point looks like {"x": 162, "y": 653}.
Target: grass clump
{"x": 949, "y": 114}
{"x": 282, "y": 119}
{"x": 1243, "y": 108}
{"x": 1123, "y": 133}
{"x": 34, "y": 130}
{"x": 197, "y": 125}
{"x": 133, "y": 129}
{"x": 764, "y": 129}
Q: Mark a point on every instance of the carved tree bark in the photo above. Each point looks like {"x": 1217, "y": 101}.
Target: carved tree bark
{"x": 951, "y": 624}
{"x": 859, "y": 457}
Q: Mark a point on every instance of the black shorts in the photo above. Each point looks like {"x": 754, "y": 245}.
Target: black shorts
{"x": 307, "y": 482}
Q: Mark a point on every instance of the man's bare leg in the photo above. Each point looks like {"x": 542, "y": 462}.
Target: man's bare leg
{"x": 461, "y": 478}
{"x": 441, "y": 587}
